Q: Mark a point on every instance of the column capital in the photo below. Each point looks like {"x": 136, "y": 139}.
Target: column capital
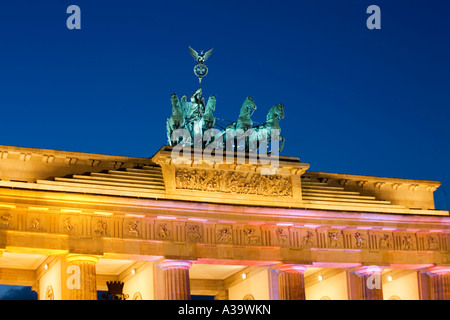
{"x": 179, "y": 264}
{"x": 292, "y": 268}
{"x": 438, "y": 270}
{"x": 369, "y": 270}
{"x": 81, "y": 257}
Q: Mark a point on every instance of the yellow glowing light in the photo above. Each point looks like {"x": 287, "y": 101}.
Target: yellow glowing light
{"x": 197, "y": 219}
{"x": 80, "y": 257}
{"x": 38, "y": 208}
{"x": 70, "y": 211}
{"x": 135, "y": 215}
{"x": 9, "y": 206}
{"x": 166, "y": 217}
{"x": 103, "y": 213}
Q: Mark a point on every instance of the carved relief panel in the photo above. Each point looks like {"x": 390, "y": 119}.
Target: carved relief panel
{"x": 428, "y": 241}
{"x": 36, "y": 222}
{"x": 335, "y": 238}
{"x": 405, "y": 241}
{"x": 6, "y": 220}
{"x": 385, "y": 240}
{"x": 224, "y": 234}
{"x": 132, "y": 228}
{"x": 69, "y": 224}
{"x": 194, "y": 232}
{"x": 252, "y": 235}
{"x": 234, "y": 182}
{"x": 308, "y": 238}
{"x": 432, "y": 242}
{"x": 282, "y": 236}
{"x": 163, "y": 230}
{"x": 356, "y": 239}
{"x": 100, "y": 226}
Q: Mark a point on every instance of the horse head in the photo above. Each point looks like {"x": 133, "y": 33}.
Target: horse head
{"x": 248, "y": 106}
{"x": 276, "y": 112}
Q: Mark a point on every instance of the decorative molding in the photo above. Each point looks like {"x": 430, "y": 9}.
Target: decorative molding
{"x": 94, "y": 162}
{"x": 378, "y": 185}
{"x": 48, "y": 158}
{"x": 49, "y": 294}
{"x": 137, "y": 296}
{"x": 117, "y": 164}
{"x": 361, "y": 183}
{"x": 25, "y": 156}
{"x": 395, "y": 186}
{"x": 89, "y": 226}
{"x": 71, "y": 161}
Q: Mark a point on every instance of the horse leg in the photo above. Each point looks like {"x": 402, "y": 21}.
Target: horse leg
{"x": 282, "y": 144}
{"x": 169, "y": 131}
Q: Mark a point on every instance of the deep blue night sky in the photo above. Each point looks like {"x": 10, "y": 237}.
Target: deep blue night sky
{"x": 357, "y": 101}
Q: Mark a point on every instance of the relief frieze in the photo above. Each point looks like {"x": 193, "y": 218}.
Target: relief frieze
{"x": 250, "y": 234}
{"x": 194, "y": 232}
{"x": 385, "y": 240}
{"x": 5, "y": 220}
{"x": 233, "y": 182}
{"x": 224, "y": 234}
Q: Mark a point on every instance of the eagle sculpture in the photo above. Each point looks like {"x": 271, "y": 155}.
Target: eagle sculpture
{"x": 202, "y": 57}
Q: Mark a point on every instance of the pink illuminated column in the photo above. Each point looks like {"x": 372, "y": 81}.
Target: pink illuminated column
{"x": 370, "y": 282}
{"x": 291, "y": 282}
{"x": 176, "y": 279}
{"x": 439, "y": 279}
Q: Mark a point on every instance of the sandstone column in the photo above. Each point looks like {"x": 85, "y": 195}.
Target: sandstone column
{"x": 79, "y": 277}
{"x": 439, "y": 278}
{"x": 176, "y": 279}
{"x": 291, "y": 282}
{"x": 370, "y": 282}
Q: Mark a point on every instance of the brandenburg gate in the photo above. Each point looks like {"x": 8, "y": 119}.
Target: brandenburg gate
{"x": 175, "y": 225}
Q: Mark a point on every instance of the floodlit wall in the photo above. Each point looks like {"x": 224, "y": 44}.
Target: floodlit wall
{"x": 52, "y": 278}
{"x": 405, "y": 287}
{"x": 140, "y": 285}
{"x": 256, "y": 285}
{"x": 334, "y": 288}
